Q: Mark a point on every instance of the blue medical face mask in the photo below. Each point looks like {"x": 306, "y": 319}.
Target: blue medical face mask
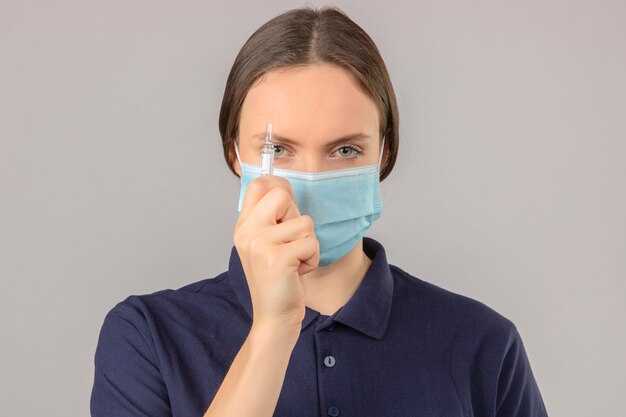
{"x": 343, "y": 203}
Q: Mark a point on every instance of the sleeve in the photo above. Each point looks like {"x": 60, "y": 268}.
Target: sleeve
{"x": 517, "y": 394}
{"x": 127, "y": 379}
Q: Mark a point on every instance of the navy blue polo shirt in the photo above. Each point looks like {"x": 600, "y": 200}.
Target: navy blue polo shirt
{"x": 400, "y": 347}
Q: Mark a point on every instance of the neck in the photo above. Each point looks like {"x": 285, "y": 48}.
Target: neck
{"x": 330, "y": 287}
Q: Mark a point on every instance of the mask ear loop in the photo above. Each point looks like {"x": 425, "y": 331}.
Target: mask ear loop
{"x": 237, "y": 152}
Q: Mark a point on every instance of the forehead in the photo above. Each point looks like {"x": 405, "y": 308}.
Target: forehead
{"x": 311, "y": 98}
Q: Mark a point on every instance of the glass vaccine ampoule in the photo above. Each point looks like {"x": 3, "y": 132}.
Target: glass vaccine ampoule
{"x": 267, "y": 154}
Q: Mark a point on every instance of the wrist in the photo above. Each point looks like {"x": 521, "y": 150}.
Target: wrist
{"x": 275, "y": 333}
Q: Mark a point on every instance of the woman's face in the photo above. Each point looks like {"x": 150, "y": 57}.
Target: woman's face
{"x": 321, "y": 120}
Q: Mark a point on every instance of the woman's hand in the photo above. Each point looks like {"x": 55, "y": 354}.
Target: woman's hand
{"x": 276, "y": 246}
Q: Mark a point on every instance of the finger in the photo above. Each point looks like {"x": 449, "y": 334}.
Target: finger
{"x": 260, "y": 186}
{"x": 296, "y": 228}
{"x": 276, "y": 206}
{"x": 302, "y": 251}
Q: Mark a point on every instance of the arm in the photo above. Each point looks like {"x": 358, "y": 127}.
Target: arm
{"x": 255, "y": 378}
{"x": 518, "y": 394}
{"x": 127, "y": 381}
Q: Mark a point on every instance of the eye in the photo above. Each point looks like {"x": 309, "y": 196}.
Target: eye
{"x": 349, "y": 152}
{"x": 277, "y": 147}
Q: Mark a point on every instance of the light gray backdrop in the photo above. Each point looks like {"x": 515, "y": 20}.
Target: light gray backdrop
{"x": 509, "y": 187}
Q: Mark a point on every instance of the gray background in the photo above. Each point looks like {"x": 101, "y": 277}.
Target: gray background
{"x": 509, "y": 186}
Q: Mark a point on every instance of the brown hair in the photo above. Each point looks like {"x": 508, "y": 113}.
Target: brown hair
{"x": 306, "y": 36}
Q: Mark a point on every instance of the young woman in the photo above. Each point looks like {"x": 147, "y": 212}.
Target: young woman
{"x": 310, "y": 319}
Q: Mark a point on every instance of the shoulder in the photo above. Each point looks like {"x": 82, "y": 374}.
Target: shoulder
{"x": 133, "y": 352}
{"x": 142, "y": 309}
{"x": 458, "y": 313}
{"x": 481, "y": 345}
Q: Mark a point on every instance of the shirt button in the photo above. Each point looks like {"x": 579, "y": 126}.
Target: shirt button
{"x": 329, "y": 361}
{"x": 333, "y": 411}
{"x": 331, "y": 327}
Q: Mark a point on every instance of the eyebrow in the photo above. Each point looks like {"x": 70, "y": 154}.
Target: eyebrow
{"x": 358, "y": 137}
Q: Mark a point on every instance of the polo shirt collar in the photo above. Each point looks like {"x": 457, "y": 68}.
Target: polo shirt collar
{"x": 368, "y": 309}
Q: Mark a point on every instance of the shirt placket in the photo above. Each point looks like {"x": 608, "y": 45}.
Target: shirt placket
{"x": 328, "y": 365}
